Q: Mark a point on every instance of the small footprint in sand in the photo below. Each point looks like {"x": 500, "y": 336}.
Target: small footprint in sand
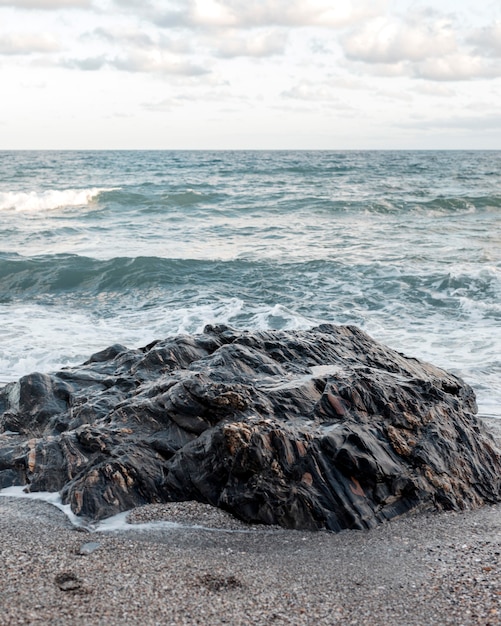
{"x": 67, "y": 581}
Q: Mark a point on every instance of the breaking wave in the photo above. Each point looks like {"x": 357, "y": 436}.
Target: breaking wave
{"x": 33, "y": 201}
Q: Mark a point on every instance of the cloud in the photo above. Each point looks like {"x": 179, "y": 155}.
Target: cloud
{"x": 393, "y": 96}
{"x": 138, "y": 62}
{"x": 466, "y": 123}
{"x": 318, "y": 46}
{"x": 422, "y": 45}
{"x": 456, "y": 68}
{"x": 392, "y": 40}
{"x": 258, "y": 13}
{"x": 23, "y": 44}
{"x": 167, "y": 104}
{"x": 139, "y": 39}
{"x": 137, "y": 51}
{"x": 134, "y": 3}
{"x": 434, "y": 89}
{"x": 388, "y": 70}
{"x": 120, "y": 36}
{"x": 157, "y": 64}
{"x": 487, "y": 40}
{"x": 46, "y": 4}
{"x": 311, "y": 93}
{"x": 219, "y": 96}
{"x": 308, "y": 91}
{"x": 90, "y": 64}
{"x": 263, "y": 44}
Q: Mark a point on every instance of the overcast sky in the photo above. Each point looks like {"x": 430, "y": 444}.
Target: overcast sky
{"x": 328, "y": 74}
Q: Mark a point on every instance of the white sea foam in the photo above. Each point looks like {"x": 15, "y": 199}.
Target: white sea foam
{"x": 38, "y": 338}
{"x": 293, "y": 382}
{"x": 119, "y": 523}
{"x": 279, "y": 317}
{"x": 33, "y": 201}
{"x": 111, "y": 524}
{"x": 34, "y": 337}
{"x": 50, "y": 497}
{"x": 115, "y": 523}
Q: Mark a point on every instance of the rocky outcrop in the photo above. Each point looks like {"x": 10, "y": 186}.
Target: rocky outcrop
{"x": 314, "y": 429}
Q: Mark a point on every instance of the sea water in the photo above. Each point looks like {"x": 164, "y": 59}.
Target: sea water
{"x": 114, "y": 523}
{"x": 125, "y": 247}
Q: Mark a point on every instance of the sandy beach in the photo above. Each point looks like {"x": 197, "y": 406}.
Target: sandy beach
{"x": 207, "y": 568}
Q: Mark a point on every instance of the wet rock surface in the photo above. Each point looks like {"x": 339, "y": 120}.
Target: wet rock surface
{"x": 314, "y": 429}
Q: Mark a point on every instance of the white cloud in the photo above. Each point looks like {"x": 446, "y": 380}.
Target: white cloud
{"x": 388, "y": 70}
{"x": 139, "y": 38}
{"x": 392, "y": 40}
{"x": 297, "y": 12}
{"x": 255, "y": 13}
{"x": 318, "y": 46}
{"x": 434, "y": 89}
{"x": 349, "y": 82}
{"x": 89, "y": 64}
{"x": 134, "y": 3}
{"x": 309, "y": 91}
{"x": 132, "y": 49}
{"x": 250, "y": 73}
{"x": 167, "y": 104}
{"x": 424, "y": 45}
{"x": 390, "y": 95}
{"x": 488, "y": 40}
{"x": 46, "y": 4}
{"x": 27, "y": 43}
{"x": 261, "y": 44}
{"x": 152, "y": 60}
{"x": 185, "y": 98}
{"x": 457, "y": 67}
{"x": 129, "y": 36}
{"x": 156, "y": 63}
{"x": 465, "y": 123}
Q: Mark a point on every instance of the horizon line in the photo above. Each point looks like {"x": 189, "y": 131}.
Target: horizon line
{"x": 250, "y": 149}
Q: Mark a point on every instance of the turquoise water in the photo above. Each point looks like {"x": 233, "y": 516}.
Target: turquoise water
{"x": 105, "y": 247}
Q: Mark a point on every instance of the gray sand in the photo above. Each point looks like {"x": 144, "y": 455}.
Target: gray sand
{"x": 211, "y": 569}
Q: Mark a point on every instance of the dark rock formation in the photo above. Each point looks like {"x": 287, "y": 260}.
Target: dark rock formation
{"x": 307, "y": 429}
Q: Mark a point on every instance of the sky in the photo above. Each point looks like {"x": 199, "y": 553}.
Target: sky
{"x": 250, "y": 74}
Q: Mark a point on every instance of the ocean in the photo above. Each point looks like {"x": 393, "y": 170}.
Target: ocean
{"x": 107, "y": 247}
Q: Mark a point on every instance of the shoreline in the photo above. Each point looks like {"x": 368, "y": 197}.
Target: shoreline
{"x": 440, "y": 568}
{"x": 207, "y": 568}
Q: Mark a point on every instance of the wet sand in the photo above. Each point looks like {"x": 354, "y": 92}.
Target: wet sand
{"x": 207, "y": 568}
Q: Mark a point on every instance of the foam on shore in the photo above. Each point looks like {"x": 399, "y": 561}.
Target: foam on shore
{"x": 120, "y": 522}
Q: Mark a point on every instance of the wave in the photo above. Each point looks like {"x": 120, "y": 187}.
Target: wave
{"x": 30, "y": 277}
{"x": 433, "y": 208}
{"x": 55, "y": 274}
{"x": 392, "y": 205}
{"x": 460, "y": 205}
{"x": 33, "y": 201}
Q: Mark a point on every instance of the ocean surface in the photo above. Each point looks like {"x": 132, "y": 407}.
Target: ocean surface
{"x": 125, "y": 247}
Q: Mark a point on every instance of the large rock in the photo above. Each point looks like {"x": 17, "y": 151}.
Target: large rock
{"x": 307, "y": 429}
